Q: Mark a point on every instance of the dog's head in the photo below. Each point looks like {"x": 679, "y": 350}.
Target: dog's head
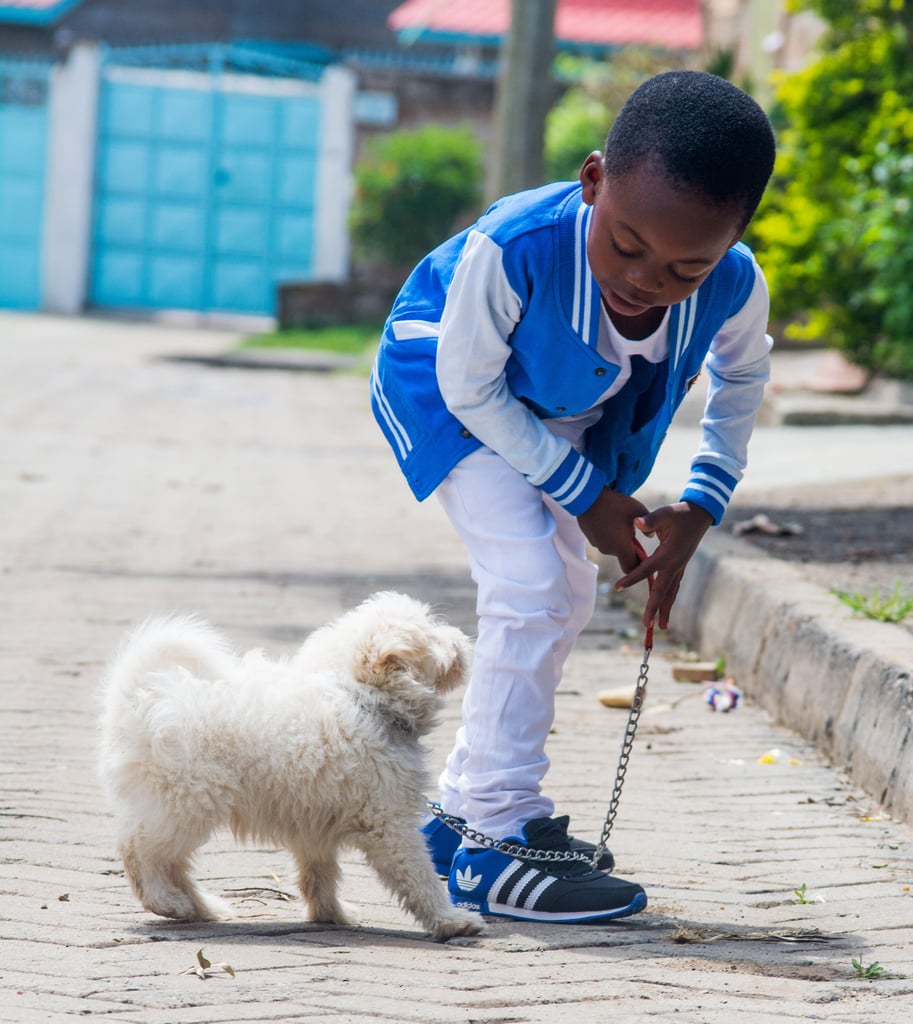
{"x": 407, "y": 654}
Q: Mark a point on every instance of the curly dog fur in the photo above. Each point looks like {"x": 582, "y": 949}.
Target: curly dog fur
{"x": 316, "y": 752}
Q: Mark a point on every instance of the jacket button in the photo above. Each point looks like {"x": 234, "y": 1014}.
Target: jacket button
{"x": 465, "y": 433}
{"x": 560, "y": 408}
{"x": 599, "y": 371}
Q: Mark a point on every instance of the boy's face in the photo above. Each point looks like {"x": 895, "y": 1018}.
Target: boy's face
{"x": 650, "y": 245}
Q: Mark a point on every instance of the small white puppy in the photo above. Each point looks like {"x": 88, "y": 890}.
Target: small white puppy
{"x": 315, "y": 752}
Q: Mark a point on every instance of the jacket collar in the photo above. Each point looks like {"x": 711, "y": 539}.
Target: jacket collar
{"x": 581, "y": 292}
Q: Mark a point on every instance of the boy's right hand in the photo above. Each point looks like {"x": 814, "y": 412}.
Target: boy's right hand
{"x": 608, "y": 524}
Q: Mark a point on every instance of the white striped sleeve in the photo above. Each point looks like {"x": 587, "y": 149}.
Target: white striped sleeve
{"x": 479, "y": 316}
{"x": 738, "y": 366}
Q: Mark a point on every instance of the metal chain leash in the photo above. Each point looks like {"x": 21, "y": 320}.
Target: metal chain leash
{"x": 627, "y": 745}
{"x": 503, "y": 845}
{"x": 551, "y": 856}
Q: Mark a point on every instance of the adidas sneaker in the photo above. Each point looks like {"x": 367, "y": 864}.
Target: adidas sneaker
{"x": 494, "y": 883}
{"x": 443, "y": 843}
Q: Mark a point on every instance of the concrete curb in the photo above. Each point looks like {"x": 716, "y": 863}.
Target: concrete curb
{"x": 877, "y": 407}
{"x": 841, "y": 681}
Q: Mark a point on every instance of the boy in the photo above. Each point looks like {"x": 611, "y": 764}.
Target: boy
{"x": 527, "y": 375}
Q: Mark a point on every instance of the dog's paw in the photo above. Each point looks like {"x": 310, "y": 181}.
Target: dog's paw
{"x": 341, "y": 913}
{"x": 195, "y": 908}
{"x": 460, "y": 922}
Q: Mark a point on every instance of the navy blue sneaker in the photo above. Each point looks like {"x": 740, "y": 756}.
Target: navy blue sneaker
{"x": 443, "y": 843}
{"x": 565, "y": 892}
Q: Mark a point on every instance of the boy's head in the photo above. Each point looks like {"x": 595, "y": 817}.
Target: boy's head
{"x": 702, "y": 133}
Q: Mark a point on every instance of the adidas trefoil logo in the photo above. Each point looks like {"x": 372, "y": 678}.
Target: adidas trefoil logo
{"x": 466, "y": 880}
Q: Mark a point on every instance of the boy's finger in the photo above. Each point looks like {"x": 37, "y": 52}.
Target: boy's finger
{"x": 644, "y": 569}
{"x": 654, "y": 606}
{"x": 634, "y": 576}
{"x": 645, "y": 525}
{"x": 666, "y": 599}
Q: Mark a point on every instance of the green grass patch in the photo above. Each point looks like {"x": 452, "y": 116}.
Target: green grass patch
{"x": 894, "y": 607}
{"x": 345, "y": 339}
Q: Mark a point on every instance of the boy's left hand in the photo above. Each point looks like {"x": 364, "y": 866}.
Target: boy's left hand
{"x": 679, "y": 528}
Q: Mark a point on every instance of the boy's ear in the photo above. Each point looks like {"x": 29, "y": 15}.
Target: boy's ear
{"x": 591, "y": 174}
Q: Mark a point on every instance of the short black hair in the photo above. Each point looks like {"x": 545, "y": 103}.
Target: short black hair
{"x": 708, "y": 136}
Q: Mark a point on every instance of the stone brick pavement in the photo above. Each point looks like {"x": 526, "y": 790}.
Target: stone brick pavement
{"x": 265, "y": 501}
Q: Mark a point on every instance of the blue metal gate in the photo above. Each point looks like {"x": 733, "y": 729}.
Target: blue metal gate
{"x": 205, "y": 189}
{"x": 23, "y": 146}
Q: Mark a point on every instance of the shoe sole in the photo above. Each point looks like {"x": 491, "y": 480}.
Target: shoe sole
{"x": 636, "y": 905}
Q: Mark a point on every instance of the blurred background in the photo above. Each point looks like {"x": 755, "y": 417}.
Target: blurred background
{"x": 290, "y": 161}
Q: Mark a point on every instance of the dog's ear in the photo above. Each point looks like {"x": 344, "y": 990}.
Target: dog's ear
{"x": 397, "y": 646}
{"x": 379, "y": 656}
{"x": 390, "y": 663}
{"x": 387, "y": 652}
{"x": 437, "y": 659}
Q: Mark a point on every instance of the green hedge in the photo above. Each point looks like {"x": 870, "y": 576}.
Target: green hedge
{"x": 835, "y": 230}
{"x": 412, "y": 190}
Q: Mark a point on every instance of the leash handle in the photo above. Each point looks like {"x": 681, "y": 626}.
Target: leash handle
{"x": 648, "y": 630}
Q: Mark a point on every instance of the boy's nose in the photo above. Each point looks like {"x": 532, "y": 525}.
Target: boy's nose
{"x": 644, "y": 281}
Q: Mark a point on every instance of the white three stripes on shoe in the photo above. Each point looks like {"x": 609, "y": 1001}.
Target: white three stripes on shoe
{"x": 500, "y": 893}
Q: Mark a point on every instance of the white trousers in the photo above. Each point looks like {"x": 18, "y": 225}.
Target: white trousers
{"x": 536, "y": 592}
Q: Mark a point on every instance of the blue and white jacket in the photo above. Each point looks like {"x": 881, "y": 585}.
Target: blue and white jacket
{"x": 495, "y": 332}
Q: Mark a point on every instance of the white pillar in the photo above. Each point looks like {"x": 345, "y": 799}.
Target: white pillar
{"x": 67, "y": 241}
{"x": 334, "y": 175}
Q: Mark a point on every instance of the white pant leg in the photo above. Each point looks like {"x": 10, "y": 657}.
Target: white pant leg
{"x": 536, "y": 592}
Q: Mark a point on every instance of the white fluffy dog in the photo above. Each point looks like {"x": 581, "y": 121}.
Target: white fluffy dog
{"x": 315, "y": 752}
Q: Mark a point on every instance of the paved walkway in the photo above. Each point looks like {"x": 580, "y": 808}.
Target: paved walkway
{"x": 266, "y": 501}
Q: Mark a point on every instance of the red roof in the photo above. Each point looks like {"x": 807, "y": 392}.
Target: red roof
{"x": 670, "y": 24}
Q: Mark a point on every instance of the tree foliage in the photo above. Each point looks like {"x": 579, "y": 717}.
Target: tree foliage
{"x": 580, "y": 121}
{"x": 411, "y": 191}
{"x": 835, "y": 231}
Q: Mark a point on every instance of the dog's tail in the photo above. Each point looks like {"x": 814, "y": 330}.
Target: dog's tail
{"x": 164, "y": 655}
{"x": 163, "y": 646}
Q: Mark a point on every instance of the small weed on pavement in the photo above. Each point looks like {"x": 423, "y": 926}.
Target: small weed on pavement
{"x": 893, "y": 608}
{"x": 802, "y": 895}
{"x": 874, "y": 969}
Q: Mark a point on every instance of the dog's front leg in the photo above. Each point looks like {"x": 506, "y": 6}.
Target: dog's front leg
{"x": 402, "y": 862}
{"x": 318, "y": 880}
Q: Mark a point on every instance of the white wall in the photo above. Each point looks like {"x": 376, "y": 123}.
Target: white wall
{"x": 334, "y": 174}
{"x": 73, "y": 108}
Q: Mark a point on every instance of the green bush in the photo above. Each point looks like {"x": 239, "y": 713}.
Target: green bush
{"x": 412, "y": 189}
{"x": 580, "y": 121}
{"x": 575, "y": 126}
{"x": 835, "y": 230}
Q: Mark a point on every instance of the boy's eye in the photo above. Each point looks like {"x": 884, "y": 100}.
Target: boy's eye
{"x": 685, "y": 280}
{"x": 628, "y": 254}
{"x": 624, "y": 252}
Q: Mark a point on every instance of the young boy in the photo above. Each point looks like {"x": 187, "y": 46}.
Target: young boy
{"x": 527, "y": 375}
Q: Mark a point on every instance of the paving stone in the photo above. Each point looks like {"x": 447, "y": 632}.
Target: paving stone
{"x": 266, "y": 502}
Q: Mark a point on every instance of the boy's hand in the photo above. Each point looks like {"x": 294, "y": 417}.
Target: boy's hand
{"x": 608, "y": 524}
{"x": 680, "y": 528}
